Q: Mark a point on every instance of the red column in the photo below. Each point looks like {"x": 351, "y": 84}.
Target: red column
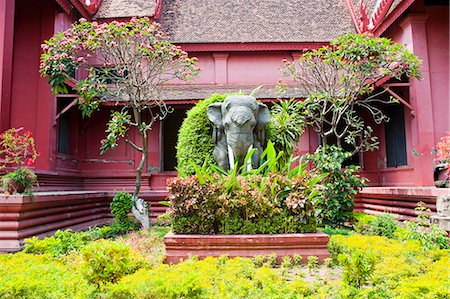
{"x": 6, "y": 55}
{"x": 423, "y": 143}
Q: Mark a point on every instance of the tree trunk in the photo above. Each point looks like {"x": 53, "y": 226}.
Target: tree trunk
{"x": 140, "y": 208}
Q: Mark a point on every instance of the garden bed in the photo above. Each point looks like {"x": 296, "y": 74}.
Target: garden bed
{"x": 180, "y": 247}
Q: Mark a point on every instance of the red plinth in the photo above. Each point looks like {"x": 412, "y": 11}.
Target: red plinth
{"x": 180, "y": 247}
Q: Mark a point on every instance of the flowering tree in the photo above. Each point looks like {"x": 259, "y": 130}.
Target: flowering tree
{"x": 341, "y": 77}
{"x": 127, "y": 63}
{"x": 443, "y": 153}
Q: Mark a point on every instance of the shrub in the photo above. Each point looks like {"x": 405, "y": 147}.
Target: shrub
{"x": 358, "y": 267}
{"x": 341, "y": 185}
{"x": 28, "y": 276}
{"x": 61, "y": 243}
{"x": 120, "y": 207}
{"x": 362, "y": 222}
{"x": 107, "y": 261}
{"x": 383, "y": 225}
{"x": 243, "y": 204}
{"x": 195, "y": 142}
{"x": 208, "y": 278}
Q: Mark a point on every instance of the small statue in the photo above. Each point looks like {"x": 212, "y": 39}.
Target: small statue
{"x": 239, "y": 124}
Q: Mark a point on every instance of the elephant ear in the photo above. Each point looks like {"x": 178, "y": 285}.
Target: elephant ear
{"x": 214, "y": 113}
{"x": 263, "y": 116}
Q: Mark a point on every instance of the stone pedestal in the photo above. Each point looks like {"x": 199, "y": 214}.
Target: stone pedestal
{"x": 443, "y": 212}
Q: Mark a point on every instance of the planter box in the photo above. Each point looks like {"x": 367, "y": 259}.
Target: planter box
{"x": 182, "y": 246}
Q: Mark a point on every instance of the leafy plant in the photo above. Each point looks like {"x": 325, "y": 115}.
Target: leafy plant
{"x": 286, "y": 126}
{"x": 126, "y": 62}
{"x": 19, "y": 181}
{"x": 341, "y": 185}
{"x": 120, "y": 207}
{"x": 107, "y": 261}
{"x": 383, "y": 225}
{"x": 274, "y": 198}
{"x": 358, "y": 267}
{"x": 17, "y": 149}
{"x": 429, "y": 236}
{"x": 340, "y": 80}
{"x": 313, "y": 263}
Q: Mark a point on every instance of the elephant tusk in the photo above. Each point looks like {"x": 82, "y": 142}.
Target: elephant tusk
{"x": 231, "y": 157}
{"x": 249, "y": 162}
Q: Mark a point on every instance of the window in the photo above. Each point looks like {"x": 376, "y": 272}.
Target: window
{"x": 64, "y": 126}
{"x": 395, "y": 136}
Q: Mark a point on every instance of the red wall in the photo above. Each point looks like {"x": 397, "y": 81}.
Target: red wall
{"x": 34, "y": 107}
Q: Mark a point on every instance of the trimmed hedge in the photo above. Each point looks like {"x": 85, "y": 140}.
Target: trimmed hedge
{"x": 195, "y": 137}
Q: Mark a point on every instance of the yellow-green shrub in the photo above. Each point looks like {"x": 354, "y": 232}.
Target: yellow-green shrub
{"x": 402, "y": 266}
{"x": 40, "y": 276}
{"x": 107, "y": 261}
{"x": 208, "y": 278}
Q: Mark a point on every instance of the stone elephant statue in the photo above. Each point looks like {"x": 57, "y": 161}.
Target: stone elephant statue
{"x": 239, "y": 124}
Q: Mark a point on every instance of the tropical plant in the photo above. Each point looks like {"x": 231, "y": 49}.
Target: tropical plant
{"x": 341, "y": 184}
{"x": 340, "y": 80}
{"x": 275, "y": 198}
{"x": 286, "y": 126}
{"x": 127, "y": 63}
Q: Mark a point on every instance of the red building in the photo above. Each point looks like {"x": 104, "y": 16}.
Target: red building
{"x": 240, "y": 45}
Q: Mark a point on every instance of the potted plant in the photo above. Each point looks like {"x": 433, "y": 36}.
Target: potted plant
{"x": 18, "y": 153}
{"x": 442, "y": 169}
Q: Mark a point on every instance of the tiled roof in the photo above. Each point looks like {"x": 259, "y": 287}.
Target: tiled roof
{"x": 125, "y": 8}
{"x": 222, "y": 21}
{"x": 189, "y": 92}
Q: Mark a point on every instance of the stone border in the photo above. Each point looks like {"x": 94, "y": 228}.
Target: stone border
{"x": 182, "y": 246}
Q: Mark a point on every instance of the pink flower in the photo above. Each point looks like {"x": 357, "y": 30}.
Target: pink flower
{"x": 30, "y": 161}
{"x": 62, "y": 67}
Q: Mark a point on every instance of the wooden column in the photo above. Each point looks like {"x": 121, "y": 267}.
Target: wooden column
{"x": 6, "y": 56}
{"x": 423, "y": 143}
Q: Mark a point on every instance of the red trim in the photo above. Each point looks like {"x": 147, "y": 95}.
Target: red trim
{"x": 393, "y": 16}
{"x": 81, "y": 9}
{"x": 158, "y": 9}
{"x": 93, "y": 7}
{"x": 353, "y": 14}
{"x": 191, "y": 47}
{"x": 379, "y": 14}
{"x": 65, "y": 5}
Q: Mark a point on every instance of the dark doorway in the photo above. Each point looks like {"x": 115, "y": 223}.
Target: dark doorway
{"x": 171, "y": 125}
{"x": 395, "y": 136}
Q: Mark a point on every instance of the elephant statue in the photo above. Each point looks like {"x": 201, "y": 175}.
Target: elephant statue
{"x": 239, "y": 124}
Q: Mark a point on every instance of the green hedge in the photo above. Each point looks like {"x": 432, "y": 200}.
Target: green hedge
{"x": 195, "y": 137}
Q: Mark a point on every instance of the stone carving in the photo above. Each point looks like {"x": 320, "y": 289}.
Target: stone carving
{"x": 238, "y": 128}
{"x": 443, "y": 205}
{"x": 443, "y": 212}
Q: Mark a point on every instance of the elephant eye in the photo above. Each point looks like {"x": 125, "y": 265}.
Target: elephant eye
{"x": 226, "y": 125}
